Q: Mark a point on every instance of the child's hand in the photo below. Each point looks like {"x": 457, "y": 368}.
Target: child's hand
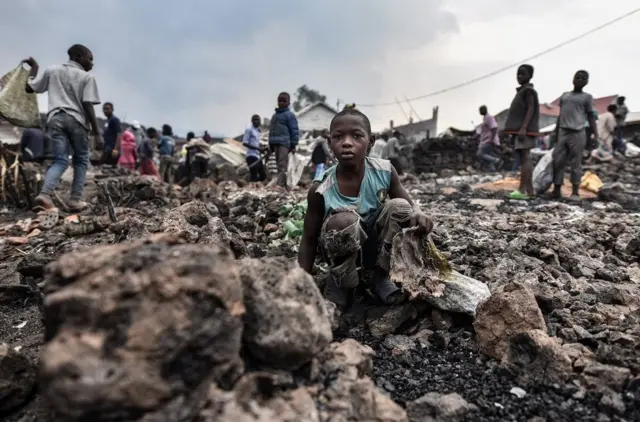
{"x": 421, "y": 221}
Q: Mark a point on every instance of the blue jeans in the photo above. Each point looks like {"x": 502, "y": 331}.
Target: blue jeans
{"x": 319, "y": 170}
{"x": 618, "y": 142}
{"x": 516, "y": 163}
{"x": 66, "y": 132}
{"x": 485, "y": 155}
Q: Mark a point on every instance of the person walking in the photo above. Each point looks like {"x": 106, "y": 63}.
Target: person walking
{"x": 489, "y": 140}
{"x": 72, "y": 93}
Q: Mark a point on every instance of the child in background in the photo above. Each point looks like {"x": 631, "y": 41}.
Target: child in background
{"x": 320, "y": 153}
{"x": 355, "y": 209}
{"x": 283, "y": 136}
{"x": 166, "y": 146}
{"x": 128, "y": 153}
{"x": 576, "y": 108}
{"x": 523, "y": 124}
{"x": 147, "y": 166}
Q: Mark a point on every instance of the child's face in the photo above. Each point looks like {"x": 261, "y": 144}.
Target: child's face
{"x": 283, "y": 101}
{"x": 349, "y": 139}
{"x": 580, "y": 80}
{"x": 523, "y": 76}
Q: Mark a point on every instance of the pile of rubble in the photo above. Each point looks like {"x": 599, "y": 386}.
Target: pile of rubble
{"x": 452, "y": 153}
{"x": 189, "y": 306}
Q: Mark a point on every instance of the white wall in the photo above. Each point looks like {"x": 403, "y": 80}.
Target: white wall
{"x": 316, "y": 119}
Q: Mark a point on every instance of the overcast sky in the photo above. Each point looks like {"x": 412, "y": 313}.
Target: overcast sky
{"x": 201, "y": 64}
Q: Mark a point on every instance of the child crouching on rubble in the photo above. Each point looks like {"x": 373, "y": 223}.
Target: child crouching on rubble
{"x": 355, "y": 209}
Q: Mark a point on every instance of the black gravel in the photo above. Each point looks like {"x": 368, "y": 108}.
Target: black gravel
{"x": 460, "y": 368}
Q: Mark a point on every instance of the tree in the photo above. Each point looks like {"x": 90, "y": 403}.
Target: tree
{"x": 305, "y": 96}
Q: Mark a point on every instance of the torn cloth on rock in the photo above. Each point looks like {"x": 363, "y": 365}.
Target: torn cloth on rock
{"x": 421, "y": 270}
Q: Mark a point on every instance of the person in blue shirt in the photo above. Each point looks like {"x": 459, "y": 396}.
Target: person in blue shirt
{"x": 111, "y": 136}
{"x": 251, "y": 140}
{"x": 166, "y": 146}
{"x": 283, "y": 136}
{"x": 355, "y": 209}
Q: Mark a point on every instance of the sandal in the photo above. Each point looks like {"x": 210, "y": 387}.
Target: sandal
{"x": 517, "y": 195}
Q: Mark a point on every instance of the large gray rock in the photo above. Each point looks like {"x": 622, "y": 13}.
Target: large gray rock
{"x": 287, "y": 322}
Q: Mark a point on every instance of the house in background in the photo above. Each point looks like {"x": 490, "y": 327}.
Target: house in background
{"x": 549, "y": 112}
{"x": 418, "y": 131}
{"x": 316, "y": 116}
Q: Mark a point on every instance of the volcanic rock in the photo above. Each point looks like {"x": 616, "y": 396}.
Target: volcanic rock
{"x": 140, "y": 328}
{"x": 17, "y": 378}
{"x": 436, "y": 407}
{"x": 286, "y": 323}
{"x": 509, "y": 311}
{"x": 535, "y": 358}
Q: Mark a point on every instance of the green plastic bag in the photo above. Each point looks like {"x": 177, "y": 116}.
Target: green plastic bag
{"x": 16, "y": 106}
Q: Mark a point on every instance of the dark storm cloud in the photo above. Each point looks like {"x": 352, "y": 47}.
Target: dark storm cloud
{"x": 209, "y": 63}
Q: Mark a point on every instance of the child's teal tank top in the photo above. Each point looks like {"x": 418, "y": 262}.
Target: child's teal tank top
{"x": 373, "y": 191}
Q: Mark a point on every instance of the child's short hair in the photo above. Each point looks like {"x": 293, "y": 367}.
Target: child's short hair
{"x": 152, "y": 132}
{"x": 107, "y": 104}
{"x": 77, "y": 50}
{"x": 190, "y": 136}
{"x": 353, "y": 112}
{"x": 528, "y": 68}
{"x": 612, "y": 108}
{"x": 167, "y": 130}
{"x": 284, "y": 94}
{"x": 584, "y": 72}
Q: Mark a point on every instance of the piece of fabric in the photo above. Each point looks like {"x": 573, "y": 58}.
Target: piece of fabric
{"x": 373, "y": 190}
{"x": 281, "y": 153}
{"x": 257, "y": 172}
{"x": 128, "y": 154}
{"x": 67, "y": 134}
{"x": 575, "y": 109}
{"x": 148, "y": 167}
{"x": 379, "y": 149}
{"x": 166, "y": 169}
{"x": 284, "y": 128}
{"x": 349, "y": 242}
{"x": 166, "y": 145}
{"x": 33, "y": 145}
{"x": 251, "y": 140}
{"x": 67, "y": 86}
{"x": 568, "y": 151}
{"x": 519, "y": 108}
{"x": 486, "y": 130}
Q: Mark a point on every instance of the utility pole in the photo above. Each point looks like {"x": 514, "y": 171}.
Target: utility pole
{"x": 403, "y": 112}
{"x": 412, "y": 109}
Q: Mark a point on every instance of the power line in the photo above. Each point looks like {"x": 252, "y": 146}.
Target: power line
{"x": 512, "y": 65}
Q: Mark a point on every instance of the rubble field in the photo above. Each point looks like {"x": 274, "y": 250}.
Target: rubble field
{"x": 167, "y": 304}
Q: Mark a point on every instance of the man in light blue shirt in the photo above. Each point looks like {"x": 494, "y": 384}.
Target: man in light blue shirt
{"x": 251, "y": 140}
